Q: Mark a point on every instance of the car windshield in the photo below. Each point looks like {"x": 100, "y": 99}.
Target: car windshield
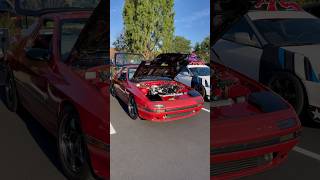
{"x": 70, "y": 31}
{"x": 289, "y": 32}
{"x": 200, "y": 71}
{"x": 128, "y": 58}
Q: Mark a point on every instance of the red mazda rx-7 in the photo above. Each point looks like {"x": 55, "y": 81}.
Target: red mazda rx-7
{"x": 151, "y": 93}
{"x": 252, "y": 128}
{"x": 58, "y": 71}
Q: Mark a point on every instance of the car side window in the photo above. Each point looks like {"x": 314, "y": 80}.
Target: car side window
{"x": 242, "y": 33}
{"x": 44, "y": 37}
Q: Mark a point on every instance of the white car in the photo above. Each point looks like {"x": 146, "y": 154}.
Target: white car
{"x": 280, "y": 49}
{"x": 197, "y": 76}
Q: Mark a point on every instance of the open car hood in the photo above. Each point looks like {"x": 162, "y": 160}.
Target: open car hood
{"x": 38, "y": 8}
{"x": 165, "y": 65}
{"x": 91, "y": 51}
{"x": 226, "y": 13}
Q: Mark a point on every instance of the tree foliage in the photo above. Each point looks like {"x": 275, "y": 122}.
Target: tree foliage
{"x": 181, "y": 45}
{"x": 203, "y": 49}
{"x": 120, "y": 43}
{"x": 148, "y": 26}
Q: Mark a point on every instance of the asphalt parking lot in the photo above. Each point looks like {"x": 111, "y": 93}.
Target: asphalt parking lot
{"x": 144, "y": 150}
{"x": 28, "y": 151}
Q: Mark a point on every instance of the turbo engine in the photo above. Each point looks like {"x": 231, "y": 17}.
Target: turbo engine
{"x": 164, "y": 90}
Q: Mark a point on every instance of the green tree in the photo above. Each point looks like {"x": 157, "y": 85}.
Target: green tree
{"x": 148, "y": 26}
{"x": 120, "y": 43}
{"x": 203, "y": 49}
{"x": 181, "y": 45}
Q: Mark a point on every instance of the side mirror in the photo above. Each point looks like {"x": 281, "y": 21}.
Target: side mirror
{"x": 38, "y": 54}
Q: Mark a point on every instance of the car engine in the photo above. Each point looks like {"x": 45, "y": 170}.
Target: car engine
{"x": 162, "y": 91}
{"x": 165, "y": 90}
{"x": 227, "y": 88}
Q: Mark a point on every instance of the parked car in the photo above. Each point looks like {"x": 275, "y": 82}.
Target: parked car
{"x": 57, "y": 72}
{"x": 151, "y": 93}
{"x": 252, "y": 128}
{"x": 279, "y": 49}
{"x": 196, "y": 75}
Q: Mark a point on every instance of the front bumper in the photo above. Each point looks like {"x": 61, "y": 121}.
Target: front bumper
{"x": 99, "y": 153}
{"x": 244, "y": 163}
{"x": 170, "y": 114}
{"x": 312, "y": 90}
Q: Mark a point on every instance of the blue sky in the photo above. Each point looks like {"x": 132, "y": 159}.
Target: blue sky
{"x": 192, "y": 19}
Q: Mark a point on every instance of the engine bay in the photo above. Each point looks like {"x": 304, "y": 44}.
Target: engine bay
{"x": 228, "y": 88}
{"x": 162, "y": 91}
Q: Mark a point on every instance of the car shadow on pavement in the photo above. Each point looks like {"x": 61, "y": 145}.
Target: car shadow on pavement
{"x": 46, "y": 141}
{"x": 122, "y": 104}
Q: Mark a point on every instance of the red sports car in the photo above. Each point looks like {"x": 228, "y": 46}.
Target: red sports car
{"x": 252, "y": 128}
{"x": 152, "y": 94}
{"x": 60, "y": 75}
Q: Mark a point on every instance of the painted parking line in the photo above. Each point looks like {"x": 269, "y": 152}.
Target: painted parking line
{"x": 112, "y": 130}
{"x": 206, "y": 109}
{"x": 307, "y": 153}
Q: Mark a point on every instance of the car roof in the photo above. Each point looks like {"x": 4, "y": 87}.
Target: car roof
{"x": 257, "y": 15}
{"x": 68, "y": 15}
{"x": 198, "y": 65}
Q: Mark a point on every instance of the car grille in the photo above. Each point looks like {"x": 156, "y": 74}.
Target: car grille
{"x": 235, "y": 166}
{"x": 242, "y": 147}
{"x": 168, "y": 116}
{"x": 254, "y": 145}
{"x": 182, "y": 108}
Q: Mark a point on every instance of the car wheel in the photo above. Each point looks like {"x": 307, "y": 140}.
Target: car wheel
{"x": 290, "y": 88}
{"x": 112, "y": 91}
{"x": 132, "y": 108}
{"x": 72, "y": 148}
{"x": 11, "y": 96}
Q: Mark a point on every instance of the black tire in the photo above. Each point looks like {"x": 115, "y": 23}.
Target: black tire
{"x": 112, "y": 91}
{"x": 132, "y": 108}
{"x": 10, "y": 93}
{"x": 290, "y": 88}
{"x": 72, "y": 148}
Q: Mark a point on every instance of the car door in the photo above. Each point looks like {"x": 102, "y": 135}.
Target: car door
{"x": 184, "y": 77}
{"x": 36, "y": 71}
{"x": 240, "y": 49}
{"x": 119, "y": 86}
